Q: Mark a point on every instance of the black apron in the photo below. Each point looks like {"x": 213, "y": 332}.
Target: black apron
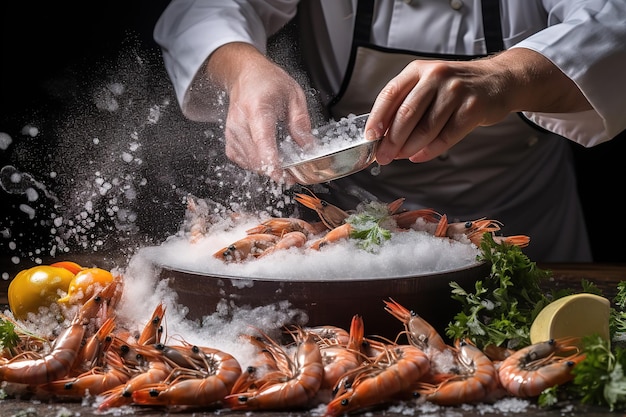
{"x": 512, "y": 172}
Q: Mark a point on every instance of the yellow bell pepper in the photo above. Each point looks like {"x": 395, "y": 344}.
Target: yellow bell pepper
{"x": 85, "y": 283}
{"x": 73, "y": 267}
{"x": 39, "y": 286}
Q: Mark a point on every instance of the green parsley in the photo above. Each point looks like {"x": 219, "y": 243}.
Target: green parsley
{"x": 599, "y": 379}
{"x": 368, "y": 225}
{"x": 9, "y": 338}
{"x": 549, "y": 397}
{"x": 617, "y": 324}
{"x": 500, "y": 309}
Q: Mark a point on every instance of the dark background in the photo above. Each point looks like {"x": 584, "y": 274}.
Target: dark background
{"x": 55, "y": 57}
{"x": 52, "y": 52}
{"x": 45, "y": 41}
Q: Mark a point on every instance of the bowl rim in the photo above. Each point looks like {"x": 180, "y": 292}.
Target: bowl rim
{"x": 350, "y": 146}
{"x": 298, "y": 281}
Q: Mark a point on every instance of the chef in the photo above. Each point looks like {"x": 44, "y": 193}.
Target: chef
{"x": 474, "y": 100}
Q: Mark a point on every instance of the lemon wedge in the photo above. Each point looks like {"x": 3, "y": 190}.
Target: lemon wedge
{"x": 576, "y": 315}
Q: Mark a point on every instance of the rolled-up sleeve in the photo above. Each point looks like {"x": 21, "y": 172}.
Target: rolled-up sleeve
{"x": 587, "y": 41}
{"x": 189, "y": 31}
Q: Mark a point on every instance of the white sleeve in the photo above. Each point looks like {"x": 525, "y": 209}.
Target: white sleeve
{"x": 188, "y": 32}
{"x": 587, "y": 41}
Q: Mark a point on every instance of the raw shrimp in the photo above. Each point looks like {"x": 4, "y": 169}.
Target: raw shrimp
{"x": 474, "y": 231}
{"x": 288, "y": 240}
{"x": 294, "y": 385}
{"x": 419, "y": 332}
{"x": 248, "y": 247}
{"x": 92, "y": 382}
{"x": 60, "y": 360}
{"x": 518, "y": 240}
{"x": 194, "y": 387}
{"x": 123, "y": 394}
{"x": 264, "y": 364}
{"x": 338, "y": 233}
{"x": 392, "y": 373}
{"x": 332, "y": 334}
{"x": 281, "y": 225}
{"x": 476, "y": 379}
{"x": 470, "y": 228}
{"x": 153, "y": 330}
{"x": 531, "y": 370}
{"x": 406, "y": 219}
{"x": 128, "y": 352}
{"x": 175, "y": 356}
{"x": 339, "y": 358}
{"x": 92, "y": 352}
{"x": 332, "y": 216}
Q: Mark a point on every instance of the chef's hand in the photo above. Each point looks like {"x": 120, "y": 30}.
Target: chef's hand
{"x": 261, "y": 97}
{"x": 431, "y": 105}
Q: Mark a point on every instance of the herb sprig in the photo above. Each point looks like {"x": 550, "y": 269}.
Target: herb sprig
{"x": 368, "y": 225}
{"x": 9, "y": 337}
{"x": 617, "y": 324}
{"x": 599, "y": 379}
{"x": 502, "y": 307}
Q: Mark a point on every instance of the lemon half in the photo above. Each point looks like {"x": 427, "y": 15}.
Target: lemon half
{"x": 576, "y": 315}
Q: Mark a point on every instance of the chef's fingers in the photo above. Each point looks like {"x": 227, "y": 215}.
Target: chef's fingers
{"x": 298, "y": 120}
{"x": 387, "y": 103}
{"x": 442, "y": 108}
{"x": 416, "y": 104}
{"x": 298, "y": 124}
{"x": 458, "y": 125}
{"x": 264, "y": 150}
{"x": 251, "y": 141}
{"x": 423, "y": 132}
{"x": 236, "y": 135}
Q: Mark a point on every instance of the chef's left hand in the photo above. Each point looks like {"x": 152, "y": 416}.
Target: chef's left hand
{"x": 432, "y": 105}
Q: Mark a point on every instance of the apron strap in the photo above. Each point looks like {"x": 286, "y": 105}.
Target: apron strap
{"x": 363, "y": 22}
{"x": 492, "y": 27}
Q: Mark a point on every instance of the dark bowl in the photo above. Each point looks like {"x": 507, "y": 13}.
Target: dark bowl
{"x": 330, "y": 302}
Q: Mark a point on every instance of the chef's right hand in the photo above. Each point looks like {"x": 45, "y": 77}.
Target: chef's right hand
{"x": 261, "y": 96}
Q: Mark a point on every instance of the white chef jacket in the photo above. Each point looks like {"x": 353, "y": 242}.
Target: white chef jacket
{"x": 585, "y": 40}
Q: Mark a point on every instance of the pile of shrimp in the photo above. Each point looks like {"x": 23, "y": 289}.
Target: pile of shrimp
{"x": 280, "y": 233}
{"x": 344, "y": 371}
